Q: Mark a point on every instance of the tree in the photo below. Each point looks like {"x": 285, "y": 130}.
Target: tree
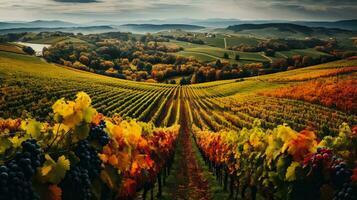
{"x": 297, "y": 59}
{"x": 184, "y": 81}
{"x": 28, "y": 50}
{"x": 218, "y": 63}
{"x": 269, "y": 52}
{"x": 225, "y": 55}
{"x": 148, "y": 67}
{"x": 106, "y": 64}
{"x": 84, "y": 59}
{"x": 306, "y": 61}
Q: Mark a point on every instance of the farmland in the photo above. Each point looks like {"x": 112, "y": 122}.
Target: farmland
{"x": 150, "y": 129}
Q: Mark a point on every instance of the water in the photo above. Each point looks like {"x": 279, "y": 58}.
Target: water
{"x": 36, "y": 47}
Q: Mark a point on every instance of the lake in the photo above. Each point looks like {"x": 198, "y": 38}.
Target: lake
{"x": 36, "y": 47}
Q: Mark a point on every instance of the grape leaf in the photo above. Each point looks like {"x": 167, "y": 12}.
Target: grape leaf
{"x": 32, "y": 127}
{"x": 290, "y": 172}
{"x": 16, "y": 141}
{"x": 52, "y": 171}
{"x": 5, "y": 144}
{"x": 81, "y": 131}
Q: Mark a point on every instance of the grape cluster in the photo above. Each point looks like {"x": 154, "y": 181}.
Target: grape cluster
{"x": 97, "y": 133}
{"x": 340, "y": 173}
{"x": 347, "y": 192}
{"x": 16, "y": 175}
{"x": 77, "y": 182}
{"x": 321, "y": 158}
{"x": 89, "y": 159}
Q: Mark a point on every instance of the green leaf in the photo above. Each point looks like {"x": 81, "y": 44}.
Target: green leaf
{"x": 54, "y": 172}
{"x": 281, "y": 166}
{"x": 291, "y": 171}
{"x": 16, "y": 141}
{"x": 88, "y": 114}
{"x": 5, "y": 144}
{"x": 81, "y": 132}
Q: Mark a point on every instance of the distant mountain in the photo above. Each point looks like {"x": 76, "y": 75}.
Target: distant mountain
{"x": 36, "y": 24}
{"x": 287, "y": 28}
{"x": 158, "y": 27}
{"x": 85, "y": 30}
{"x": 344, "y": 24}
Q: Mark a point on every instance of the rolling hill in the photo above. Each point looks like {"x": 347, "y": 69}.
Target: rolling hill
{"x": 36, "y": 24}
{"x": 288, "y": 27}
{"x": 88, "y": 29}
{"x": 158, "y": 27}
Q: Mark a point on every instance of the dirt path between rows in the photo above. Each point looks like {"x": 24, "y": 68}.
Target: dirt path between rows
{"x": 191, "y": 183}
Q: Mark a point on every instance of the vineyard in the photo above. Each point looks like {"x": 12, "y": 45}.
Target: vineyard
{"x": 71, "y": 134}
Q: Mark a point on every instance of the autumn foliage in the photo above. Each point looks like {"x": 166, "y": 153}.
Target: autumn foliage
{"x": 281, "y": 158}
{"x": 130, "y": 158}
{"x": 340, "y": 94}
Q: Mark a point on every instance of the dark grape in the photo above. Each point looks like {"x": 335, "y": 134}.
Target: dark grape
{"x": 98, "y": 134}
{"x": 77, "y": 182}
{"x": 89, "y": 159}
{"x": 340, "y": 173}
{"x": 16, "y": 174}
{"x": 347, "y": 192}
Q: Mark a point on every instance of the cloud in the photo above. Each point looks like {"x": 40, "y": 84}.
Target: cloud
{"x": 76, "y": 1}
{"x": 116, "y": 10}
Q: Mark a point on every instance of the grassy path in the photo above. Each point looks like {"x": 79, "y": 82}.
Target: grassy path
{"x": 190, "y": 178}
{"x": 189, "y": 181}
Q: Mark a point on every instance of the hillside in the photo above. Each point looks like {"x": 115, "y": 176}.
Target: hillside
{"x": 343, "y": 24}
{"x": 36, "y": 24}
{"x": 288, "y": 27}
{"x": 292, "y": 31}
{"x": 88, "y": 29}
{"x": 233, "y": 116}
{"x": 37, "y": 73}
{"x": 159, "y": 27}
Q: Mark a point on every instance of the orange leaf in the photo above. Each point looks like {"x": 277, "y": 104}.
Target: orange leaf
{"x": 55, "y": 193}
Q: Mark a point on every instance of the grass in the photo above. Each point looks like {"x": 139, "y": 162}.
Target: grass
{"x": 232, "y": 40}
{"x": 57, "y": 39}
{"x": 303, "y": 52}
{"x": 216, "y": 190}
{"x": 205, "y": 53}
{"x": 11, "y": 48}
{"x": 202, "y": 57}
{"x": 35, "y": 67}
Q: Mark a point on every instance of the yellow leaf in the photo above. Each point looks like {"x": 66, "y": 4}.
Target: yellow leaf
{"x": 16, "y": 141}
{"x": 83, "y": 101}
{"x": 32, "y": 127}
{"x": 54, "y": 172}
{"x": 45, "y": 170}
{"x": 291, "y": 171}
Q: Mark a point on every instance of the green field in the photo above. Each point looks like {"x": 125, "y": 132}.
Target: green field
{"x": 11, "y": 48}
{"x": 53, "y": 40}
{"x": 42, "y": 77}
{"x": 231, "y": 40}
{"x": 205, "y": 53}
{"x": 303, "y": 52}
{"x": 22, "y": 75}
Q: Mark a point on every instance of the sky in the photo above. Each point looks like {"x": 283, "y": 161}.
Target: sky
{"x": 120, "y": 10}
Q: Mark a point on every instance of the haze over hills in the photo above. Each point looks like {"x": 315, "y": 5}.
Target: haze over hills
{"x": 175, "y": 24}
{"x": 84, "y": 30}
{"x": 287, "y": 27}
{"x": 36, "y": 24}
{"x": 158, "y": 27}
